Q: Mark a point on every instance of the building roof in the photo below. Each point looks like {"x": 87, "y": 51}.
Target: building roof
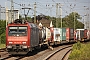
{"x": 45, "y": 22}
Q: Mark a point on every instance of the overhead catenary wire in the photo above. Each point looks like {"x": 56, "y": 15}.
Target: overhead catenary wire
{"x": 27, "y": 7}
{"x": 41, "y": 5}
{"x": 46, "y": 6}
{"x": 62, "y": 8}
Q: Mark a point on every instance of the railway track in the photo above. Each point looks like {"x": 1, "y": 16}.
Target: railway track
{"x": 4, "y": 55}
{"x": 60, "y": 54}
{"x": 39, "y": 55}
{"x": 65, "y": 57}
{"x": 11, "y": 57}
{"x": 2, "y": 49}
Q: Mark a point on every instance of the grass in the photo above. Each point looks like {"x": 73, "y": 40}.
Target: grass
{"x": 80, "y": 52}
{"x": 2, "y": 45}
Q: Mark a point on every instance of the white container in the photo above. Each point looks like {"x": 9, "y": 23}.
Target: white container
{"x": 48, "y": 34}
{"x": 57, "y": 34}
{"x": 80, "y": 34}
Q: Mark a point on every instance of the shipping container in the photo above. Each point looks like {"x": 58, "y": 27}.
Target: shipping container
{"x": 57, "y": 34}
{"x": 69, "y": 34}
{"x": 85, "y": 33}
{"x": 81, "y": 34}
{"x": 48, "y": 34}
{"x": 62, "y": 34}
{"x": 88, "y": 34}
{"x": 75, "y": 35}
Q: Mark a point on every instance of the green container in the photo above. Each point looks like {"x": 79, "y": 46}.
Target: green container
{"x": 62, "y": 34}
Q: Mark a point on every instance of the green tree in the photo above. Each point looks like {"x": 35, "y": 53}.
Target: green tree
{"x": 3, "y": 38}
{"x": 68, "y": 21}
{"x": 2, "y": 26}
{"x": 53, "y": 21}
{"x": 2, "y": 31}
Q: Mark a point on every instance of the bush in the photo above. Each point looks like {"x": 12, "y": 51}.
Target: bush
{"x": 80, "y": 52}
{"x": 3, "y": 38}
{"x": 75, "y": 54}
{"x": 2, "y": 45}
{"x": 77, "y": 46}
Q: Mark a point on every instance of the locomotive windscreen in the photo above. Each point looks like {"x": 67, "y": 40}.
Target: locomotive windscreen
{"x": 17, "y": 31}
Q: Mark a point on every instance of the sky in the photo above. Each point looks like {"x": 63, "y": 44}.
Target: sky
{"x": 48, "y": 7}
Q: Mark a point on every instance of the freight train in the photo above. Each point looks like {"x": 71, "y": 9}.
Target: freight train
{"x": 22, "y": 37}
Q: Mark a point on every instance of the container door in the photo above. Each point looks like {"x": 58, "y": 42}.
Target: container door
{"x": 85, "y": 33}
{"x": 62, "y": 34}
{"x": 81, "y": 34}
{"x": 48, "y": 34}
{"x": 56, "y": 34}
{"x": 71, "y": 34}
{"x": 67, "y": 34}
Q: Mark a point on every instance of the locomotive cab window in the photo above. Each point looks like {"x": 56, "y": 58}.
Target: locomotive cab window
{"x": 18, "y": 30}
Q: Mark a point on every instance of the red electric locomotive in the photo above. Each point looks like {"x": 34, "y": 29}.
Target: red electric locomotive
{"x": 21, "y": 37}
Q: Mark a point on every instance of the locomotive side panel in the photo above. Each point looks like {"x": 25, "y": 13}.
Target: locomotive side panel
{"x": 34, "y": 36}
{"x": 6, "y": 37}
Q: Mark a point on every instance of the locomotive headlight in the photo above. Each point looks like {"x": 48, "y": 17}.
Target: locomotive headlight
{"x": 10, "y": 42}
{"x": 9, "y": 46}
{"x": 24, "y": 42}
{"x": 24, "y": 47}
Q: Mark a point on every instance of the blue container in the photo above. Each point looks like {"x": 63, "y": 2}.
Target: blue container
{"x": 62, "y": 34}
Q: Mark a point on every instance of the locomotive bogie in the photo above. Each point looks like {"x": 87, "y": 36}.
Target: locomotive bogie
{"x": 16, "y": 49}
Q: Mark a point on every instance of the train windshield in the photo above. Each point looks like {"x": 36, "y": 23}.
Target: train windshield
{"x": 17, "y": 31}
